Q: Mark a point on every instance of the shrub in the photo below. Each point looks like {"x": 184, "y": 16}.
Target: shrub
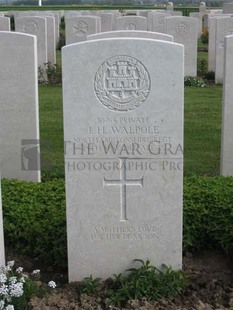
{"x": 50, "y": 74}
{"x": 190, "y": 81}
{"x": 209, "y": 75}
{"x": 205, "y": 35}
{"x": 202, "y": 67}
{"x": 34, "y": 219}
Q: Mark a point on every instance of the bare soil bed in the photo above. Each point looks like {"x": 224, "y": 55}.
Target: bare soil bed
{"x": 210, "y": 286}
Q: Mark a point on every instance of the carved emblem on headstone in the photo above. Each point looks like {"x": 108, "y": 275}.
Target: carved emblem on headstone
{"x": 182, "y": 28}
{"x": 131, "y": 26}
{"x": 30, "y": 27}
{"x": 122, "y": 83}
{"x": 80, "y": 29}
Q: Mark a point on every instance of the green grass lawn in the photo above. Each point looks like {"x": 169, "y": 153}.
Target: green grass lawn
{"x": 202, "y": 130}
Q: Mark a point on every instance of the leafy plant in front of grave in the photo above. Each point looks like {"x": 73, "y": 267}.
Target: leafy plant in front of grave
{"x": 205, "y": 35}
{"x": 88, "y": 285}
{"x": 146, "y": 281}
{"x": 190, "y": 81}
{"x": 49, "y": 74}
{"x": 202, "y": 67}
{"x": 209, "y": 75}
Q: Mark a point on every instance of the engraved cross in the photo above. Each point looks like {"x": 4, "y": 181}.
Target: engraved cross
{"x": 123, "y": 182}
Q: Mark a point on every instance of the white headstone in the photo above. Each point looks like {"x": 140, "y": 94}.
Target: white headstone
{"x": 227, "y": 113}
{"x": 5, "y": 24}
{"x": 228, "y": 8}
{"x": 36, "y": 26}
{"x": 107, "y": 21}
{"x": 123, "y": 132}
{"x": 170, "y": 6}
{"x": 131, "y": 23}
{"x": 198, "y": 16}
{"x": 131, "y": 33}
{"x": 185, "y": 31}
{"x": 224, "y": 27}
{"x": 77, "y": 28}
{"x": 51, "y": 39}
{"x": 2, "y": 247}
{"x": 202, "y": 7}
{"x": 156, "y": 21}
{"x": 19, "y": 119}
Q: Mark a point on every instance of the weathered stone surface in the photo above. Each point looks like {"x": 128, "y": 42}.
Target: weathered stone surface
{"x": 131, "y": 23}
{"x": 5, "y": 23}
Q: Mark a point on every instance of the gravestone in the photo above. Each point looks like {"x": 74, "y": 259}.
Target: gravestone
{"x": 198, "y": 16}
{"x": 36, "y": 26}
{"x": 51, "y": 39}
{"x": 227, "y": 112}
{"x": 2, "y": 247}
{"x": 19, "y": 120}
{"x": 107, "y": 21}
{"x": 228, "y": 8}
{"x": 170, "y": 6}
{"x": 224, "y": 27}
{"x": 131, "y": 33}
{"x": 185, "y": 31}
{"x": 77, "y": 28}
{"x": 156, "y": 21}
{"x": 5, "y": 24}
{"x": 123, "y": 131}
{"x": 202, "y": 7}
{"x": 131, "y": 23}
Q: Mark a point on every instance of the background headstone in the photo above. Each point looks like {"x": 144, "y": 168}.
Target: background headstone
{"x": 123, "y": 186}
{"x": 77, "y": 28}
{"x": 19, "y": 119}
{"x": 227, "y": 112}
{"x": 156, "y": 21}
{"x": 224, "y": 27}
{"x": 185, "y": 31}
{"x": 131, "y": 23}
{"x": 36, "y": 26}
{"x": 5, "y": 24}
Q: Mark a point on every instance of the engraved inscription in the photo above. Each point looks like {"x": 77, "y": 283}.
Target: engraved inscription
{"x": 125, "y": 233}
{"x": 122, "y": 83}
{"x": 123, "y": 182}
{"x": 80, "y": 29}
{"x": 131, "y": 26}
{"x": 182, "y": 28}
{"x": 30, "y": 27}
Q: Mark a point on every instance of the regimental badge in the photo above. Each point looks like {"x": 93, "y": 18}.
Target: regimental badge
{"x": 122, "y": 83}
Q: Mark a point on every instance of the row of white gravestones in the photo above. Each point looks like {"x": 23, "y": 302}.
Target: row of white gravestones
{"x": 19, "y": 119}
{"x": 55, "y": 14}
{"x": 123, "y": 132}
{"x": 5, "y": 24}
{"x": 227, "y": 111}
{"x": 183, "y": 29}
{"x": 2, "y": 248}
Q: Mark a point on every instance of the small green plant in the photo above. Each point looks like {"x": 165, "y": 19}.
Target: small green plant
{"x": 209, "y": 75}
{"x": 49, "y": 74}
{"x": 190, "y": 81}
{"x": 202, "y": 67}
{"x": 17, "y": 288}
{"x": 89, "y": 285}
{"x": 145, "y": 281}
{"x": 205, "y": 35}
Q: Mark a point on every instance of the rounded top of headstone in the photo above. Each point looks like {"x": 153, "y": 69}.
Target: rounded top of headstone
{"x": 202, "y": 4}
{"x": 170, "y": 3}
